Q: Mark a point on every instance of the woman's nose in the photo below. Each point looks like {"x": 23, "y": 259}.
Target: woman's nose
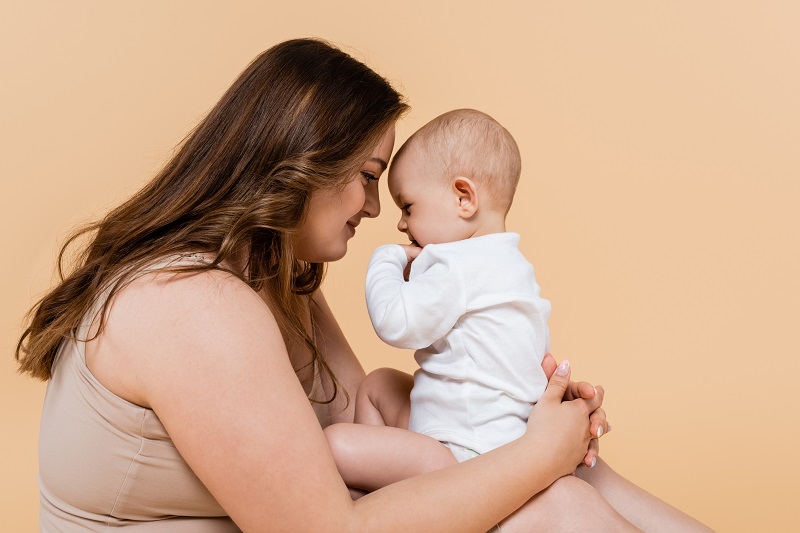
{"x": 372, "y": 202}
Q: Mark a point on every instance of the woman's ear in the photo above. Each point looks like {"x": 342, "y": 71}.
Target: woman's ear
{"x": 467, "y": 197}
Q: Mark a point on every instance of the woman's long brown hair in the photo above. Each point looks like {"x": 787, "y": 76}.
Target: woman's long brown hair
{"x": 303, "y": 116}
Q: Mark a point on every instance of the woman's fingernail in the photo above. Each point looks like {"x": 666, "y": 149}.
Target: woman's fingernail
{"x": 594, "y": 462}
{"x": 563, "y": 368}
{"x": 599, "y": 432}
{"x": 609, "y": 427}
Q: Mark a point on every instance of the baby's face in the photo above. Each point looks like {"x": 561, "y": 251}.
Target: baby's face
{"x": 428, "y": 206}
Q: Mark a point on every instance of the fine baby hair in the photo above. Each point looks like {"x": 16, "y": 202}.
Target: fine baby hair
{"x": 470, "y": 143}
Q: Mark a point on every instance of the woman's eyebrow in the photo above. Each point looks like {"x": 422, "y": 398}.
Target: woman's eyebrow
{"x": 380, "y": 161}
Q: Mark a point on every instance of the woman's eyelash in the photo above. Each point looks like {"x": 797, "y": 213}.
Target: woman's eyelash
{"x": 370, "y": 176}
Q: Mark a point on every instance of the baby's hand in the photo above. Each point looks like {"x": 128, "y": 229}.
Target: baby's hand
{"x": 411, "y": 253}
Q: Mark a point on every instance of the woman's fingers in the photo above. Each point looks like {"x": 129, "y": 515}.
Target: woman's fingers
{"x": 561, "y": 389}
{"x": 581, "y": 389}
{"x": 598, "y": 425}
{"x": 594, "y": 451}
{"x": 558, "y": 384}
{"x": 549, "y": 365}
{"x": 596, "y": 399}
{"x": 575, "y": 390}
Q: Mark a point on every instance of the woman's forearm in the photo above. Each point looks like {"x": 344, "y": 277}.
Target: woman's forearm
{"x": 476, "y": 494}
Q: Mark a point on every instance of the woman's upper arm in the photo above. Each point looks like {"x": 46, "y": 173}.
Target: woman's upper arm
{"x": 214, "y": 368}
{"x": 340, "y": 358}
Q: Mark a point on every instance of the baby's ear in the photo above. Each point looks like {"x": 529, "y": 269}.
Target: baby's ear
{"x": 466, "y": 196}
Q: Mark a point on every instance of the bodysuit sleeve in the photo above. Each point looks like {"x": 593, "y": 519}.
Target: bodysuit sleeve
{"x": 415, "y": 313}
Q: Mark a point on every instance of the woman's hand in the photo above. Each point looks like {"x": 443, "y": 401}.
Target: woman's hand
{"x": 597, "y": 421}
{"x": 562, "y": 427}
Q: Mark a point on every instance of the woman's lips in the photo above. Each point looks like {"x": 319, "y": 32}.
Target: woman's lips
{"x": 352, "y": 227}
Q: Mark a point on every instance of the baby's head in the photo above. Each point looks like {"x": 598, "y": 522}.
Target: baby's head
{"x": 455, "y": 178}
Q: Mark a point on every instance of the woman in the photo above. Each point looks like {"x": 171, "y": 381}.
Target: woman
{"x": 184, "y": 348}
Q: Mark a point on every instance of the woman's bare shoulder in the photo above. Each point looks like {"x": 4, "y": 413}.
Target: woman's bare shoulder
{"x": 165, "y": 318}
{"x": 206, "y": 355}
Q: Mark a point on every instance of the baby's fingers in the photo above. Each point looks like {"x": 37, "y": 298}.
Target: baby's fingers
{"x": 411, "y": 251}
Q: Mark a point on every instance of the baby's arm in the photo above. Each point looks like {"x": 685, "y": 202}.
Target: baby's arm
{"x": 416, "y": 313}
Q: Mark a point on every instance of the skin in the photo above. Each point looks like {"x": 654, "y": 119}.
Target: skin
{"x": 378, "y": 449}
{"x": 434, "y": 211}
{"x": 205, "y": 352}
{"x": 333, "y": 218}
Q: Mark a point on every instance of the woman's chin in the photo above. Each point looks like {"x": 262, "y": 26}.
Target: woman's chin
{"x": 326, "y": 256}
{"x": 337, "y": 256}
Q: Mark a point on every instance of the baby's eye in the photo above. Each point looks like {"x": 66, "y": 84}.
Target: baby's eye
{"x": 406, "y": 208}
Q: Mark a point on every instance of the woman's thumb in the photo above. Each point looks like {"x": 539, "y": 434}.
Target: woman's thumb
{"x": 558, "y": 383}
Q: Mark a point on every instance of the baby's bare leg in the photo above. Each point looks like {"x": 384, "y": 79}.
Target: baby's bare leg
{"x": 371, "y": 457}
{"x": 383, "y": 398}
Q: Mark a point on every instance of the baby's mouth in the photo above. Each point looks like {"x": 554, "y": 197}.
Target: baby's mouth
{"x": 413, "y": 240}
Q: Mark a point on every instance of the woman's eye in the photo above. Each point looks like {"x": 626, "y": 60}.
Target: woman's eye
{"x": 369, "y": 176}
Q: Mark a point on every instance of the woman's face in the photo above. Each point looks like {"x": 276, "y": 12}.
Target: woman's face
{"x": 333, "y": 215}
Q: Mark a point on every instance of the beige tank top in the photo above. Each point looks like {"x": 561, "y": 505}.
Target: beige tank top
{"x": 106, "y": 463}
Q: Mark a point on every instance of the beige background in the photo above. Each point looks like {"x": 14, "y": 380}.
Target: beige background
{"x": 658, "y": 202}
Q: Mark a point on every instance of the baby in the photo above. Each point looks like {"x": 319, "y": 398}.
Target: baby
{"x": 463, "y": 296}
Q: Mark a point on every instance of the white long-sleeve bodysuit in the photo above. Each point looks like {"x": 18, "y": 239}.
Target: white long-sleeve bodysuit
{"x": 472, "y": 311}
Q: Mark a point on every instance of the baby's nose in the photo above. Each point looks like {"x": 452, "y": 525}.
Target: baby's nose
{"x": 401, "y": 225}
